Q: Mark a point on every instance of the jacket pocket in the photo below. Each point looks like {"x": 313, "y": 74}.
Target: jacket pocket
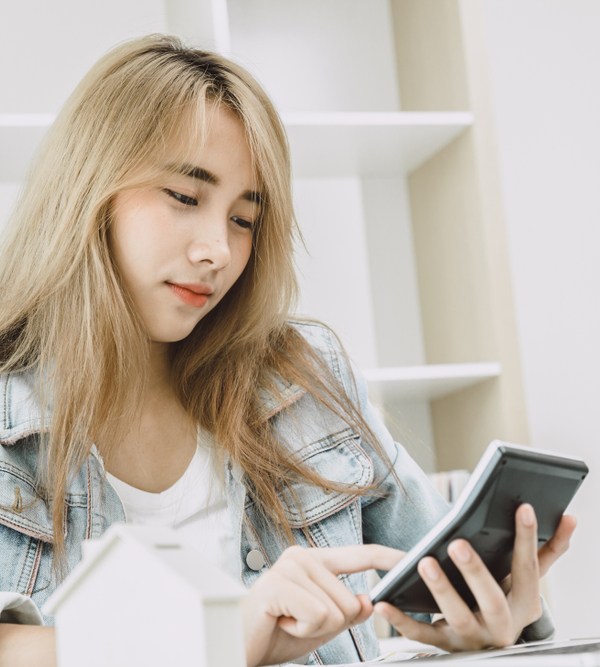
{"x": 21, "y": 507}
{"x": 339, "y": 458}
{"x": 25, "y": 531}
{"x": 20, "y": 561}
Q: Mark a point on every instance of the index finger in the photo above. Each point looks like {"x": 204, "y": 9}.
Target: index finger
{"x": 357, "y": 558}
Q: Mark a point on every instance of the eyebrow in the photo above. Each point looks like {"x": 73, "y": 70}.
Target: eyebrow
{"x": 201, "y": 174}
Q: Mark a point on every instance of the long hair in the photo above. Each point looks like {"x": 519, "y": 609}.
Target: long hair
{"x": 65, "y": 314}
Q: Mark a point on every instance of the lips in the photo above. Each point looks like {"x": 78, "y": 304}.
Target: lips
{"x": 192, "y": 294}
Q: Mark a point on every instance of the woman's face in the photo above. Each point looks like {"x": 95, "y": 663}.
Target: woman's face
{"x": 179, "y": 246}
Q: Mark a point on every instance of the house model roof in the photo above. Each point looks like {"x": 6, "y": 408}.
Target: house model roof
{"x": 165, "y": 549}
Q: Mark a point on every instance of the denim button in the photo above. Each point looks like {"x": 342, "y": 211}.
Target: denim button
{"x": 255, "y": 560}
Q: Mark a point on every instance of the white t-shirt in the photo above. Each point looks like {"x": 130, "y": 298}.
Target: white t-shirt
{"x": 195, "y": 506}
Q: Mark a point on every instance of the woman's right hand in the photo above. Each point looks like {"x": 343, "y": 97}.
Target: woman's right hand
{"x": 300, "y": 603}
{"x": 293, "y": 608}
{"x": 26, "y": 645}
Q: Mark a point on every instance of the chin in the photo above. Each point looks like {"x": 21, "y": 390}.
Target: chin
{"x": 176, "y": 330}
{"x": 166, "y": 337}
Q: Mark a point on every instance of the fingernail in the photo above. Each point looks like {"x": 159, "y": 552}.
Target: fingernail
{"x": 461, "y": 552}
{"x": 430, "y": 570}
{"x": 527, "y": 515}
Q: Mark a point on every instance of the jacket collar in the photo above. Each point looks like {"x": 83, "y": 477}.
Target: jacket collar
{"x": 20, "y": 413}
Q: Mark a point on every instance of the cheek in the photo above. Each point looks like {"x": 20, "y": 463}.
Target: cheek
{"x": 136, "y": 231}
{"x": 243, "y": 254}
{"x": 126, "y": 253}
{"x": 135, "y": 248}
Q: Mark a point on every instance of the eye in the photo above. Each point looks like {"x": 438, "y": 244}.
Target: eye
{"x": 182, "y": 199}
{"x": 243, "y": 223}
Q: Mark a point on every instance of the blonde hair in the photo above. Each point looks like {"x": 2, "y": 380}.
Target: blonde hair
{"x": 63, "y": 310}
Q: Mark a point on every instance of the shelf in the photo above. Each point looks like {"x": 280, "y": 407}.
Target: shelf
{"x": 20, "y": 135}
{"x": 428, "y": 382}
{"x": 323, "y": 145}
{"x": 330, "y": 145}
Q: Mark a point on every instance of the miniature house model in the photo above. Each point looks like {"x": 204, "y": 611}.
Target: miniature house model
{"x": 141, "y": 597}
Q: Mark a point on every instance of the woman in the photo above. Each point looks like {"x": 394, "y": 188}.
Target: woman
{"x": 150, "y": 372}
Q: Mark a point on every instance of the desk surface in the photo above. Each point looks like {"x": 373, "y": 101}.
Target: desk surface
{"x": 584, "y": 652}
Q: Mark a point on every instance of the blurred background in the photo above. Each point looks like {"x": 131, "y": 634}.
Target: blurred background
{"x": 446, "y": 164}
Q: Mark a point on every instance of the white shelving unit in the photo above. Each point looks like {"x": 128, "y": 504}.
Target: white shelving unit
{"x": 395, "y": 196}
{"x": 391, "y": 188}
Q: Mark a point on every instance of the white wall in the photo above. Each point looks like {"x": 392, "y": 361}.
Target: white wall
{"x": 8, "y": 196}
{"x": 46, "y": 47}
{"x": 545, "y": 80}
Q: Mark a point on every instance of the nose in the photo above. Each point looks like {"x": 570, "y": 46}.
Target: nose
{"x": 210, "y": 244}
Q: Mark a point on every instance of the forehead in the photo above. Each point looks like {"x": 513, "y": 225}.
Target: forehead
{"x": 192, "y": 128}
{"x": 205, "y": 133}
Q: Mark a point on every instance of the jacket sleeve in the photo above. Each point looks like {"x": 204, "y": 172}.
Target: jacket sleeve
{"x": 405, "y": 511}
{"x": 17, "y": 608}
{"x": 407, "y": 504}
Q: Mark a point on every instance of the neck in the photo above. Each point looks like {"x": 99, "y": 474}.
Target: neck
{"x": 160, "y": 365}
{"x": 157, "y": 445}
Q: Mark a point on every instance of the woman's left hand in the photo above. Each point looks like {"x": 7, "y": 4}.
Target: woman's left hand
{"x": 501, "y": 615}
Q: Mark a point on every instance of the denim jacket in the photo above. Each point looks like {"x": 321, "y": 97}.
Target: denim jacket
{"x": 397, "y": 518}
